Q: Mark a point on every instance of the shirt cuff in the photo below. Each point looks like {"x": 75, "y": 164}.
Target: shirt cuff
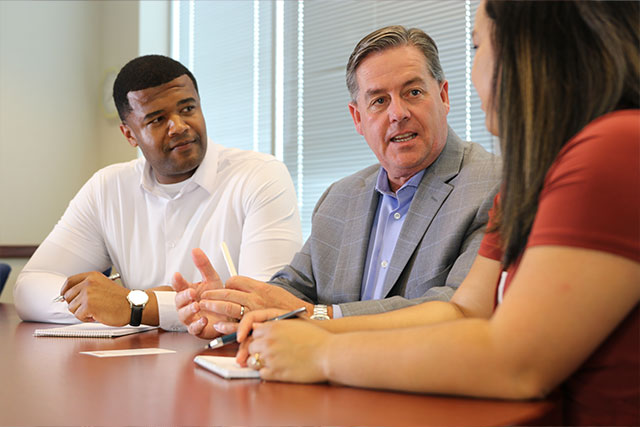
{"x": 167, "y": 313}
{"x": 337, "y": 311}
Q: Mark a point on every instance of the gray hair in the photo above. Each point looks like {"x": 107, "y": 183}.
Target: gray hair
{"x": 390, "y": 37}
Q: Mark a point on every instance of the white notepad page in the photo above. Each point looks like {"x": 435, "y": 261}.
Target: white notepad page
{"x": 91, "y": 330}
{"x": 226, "y": 367}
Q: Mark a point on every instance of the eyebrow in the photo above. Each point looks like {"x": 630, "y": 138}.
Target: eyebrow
{"x": 186, "y": 101}
{"x": 158, "y": 112}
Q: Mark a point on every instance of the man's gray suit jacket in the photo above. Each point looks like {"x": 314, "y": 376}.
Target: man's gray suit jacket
{"x": 438, "y": 242}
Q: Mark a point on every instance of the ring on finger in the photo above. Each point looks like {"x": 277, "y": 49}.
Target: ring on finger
{"x": 255, "y": 362}
{"x": 241, "y": 311}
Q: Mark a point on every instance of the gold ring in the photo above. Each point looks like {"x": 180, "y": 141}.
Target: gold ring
{"x": 255, "y": 362}
{"x": 241, "y": 311}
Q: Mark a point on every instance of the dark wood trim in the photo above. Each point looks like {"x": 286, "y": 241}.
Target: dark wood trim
{"x": 17, "y": 251}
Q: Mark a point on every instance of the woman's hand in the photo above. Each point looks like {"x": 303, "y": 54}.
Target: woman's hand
{"x": 285, "y": 350}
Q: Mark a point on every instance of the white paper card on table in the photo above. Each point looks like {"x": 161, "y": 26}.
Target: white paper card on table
{"x": 91, "y": 330}
{"x": 127, "y": 352}
{"x": 226, "y": 367}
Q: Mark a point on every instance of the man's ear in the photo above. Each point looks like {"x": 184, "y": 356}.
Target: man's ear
{"x": 128, "y": 133}
{"x": 355, "y": 115}
{"x": 444, "y": 94}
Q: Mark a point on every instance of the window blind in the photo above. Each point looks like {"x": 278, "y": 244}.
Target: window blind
{"x": 272, "y": 77}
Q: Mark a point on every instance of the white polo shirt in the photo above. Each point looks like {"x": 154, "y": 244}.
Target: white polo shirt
{"x": 123, "y": 217}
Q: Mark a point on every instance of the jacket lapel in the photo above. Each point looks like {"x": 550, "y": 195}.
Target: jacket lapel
{"x": 359, "y": 217}
{"x": 432, "y": 192}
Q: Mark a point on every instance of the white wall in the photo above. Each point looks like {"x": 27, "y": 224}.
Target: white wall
{"x": 54, "y": 56}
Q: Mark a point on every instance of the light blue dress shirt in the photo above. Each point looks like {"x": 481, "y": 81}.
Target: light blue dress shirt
{"x": 390, "y": 215}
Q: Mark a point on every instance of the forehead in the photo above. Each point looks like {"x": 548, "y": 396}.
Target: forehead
{"x": 167, "y": 93}
{"x": 392, "y": 65}
{"x": 481, "y": 23}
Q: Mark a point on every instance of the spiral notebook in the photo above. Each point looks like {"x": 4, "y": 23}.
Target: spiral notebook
{"x": 226, "y": 367}
{"x": 91, "y": 330}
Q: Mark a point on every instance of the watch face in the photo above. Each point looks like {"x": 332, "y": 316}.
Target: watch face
{"x": 138, "y": 297}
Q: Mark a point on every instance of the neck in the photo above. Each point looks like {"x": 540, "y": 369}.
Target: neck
{"x": 174, "y": 179}
{"x": 396, "y": 182}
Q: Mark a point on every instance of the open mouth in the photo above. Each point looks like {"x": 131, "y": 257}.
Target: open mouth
{"x": 404, "y": 137}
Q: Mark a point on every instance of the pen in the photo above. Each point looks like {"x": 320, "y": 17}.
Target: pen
{"x": 227, "y": 259}
{"x": 229, "y": 338}
{"x": 60, "y": 298}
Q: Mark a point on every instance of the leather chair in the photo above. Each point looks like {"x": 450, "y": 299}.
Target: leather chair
{"x": 5, "y": 269}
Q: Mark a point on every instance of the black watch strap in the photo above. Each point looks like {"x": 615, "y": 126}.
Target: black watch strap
{"x": 136, "y": 315}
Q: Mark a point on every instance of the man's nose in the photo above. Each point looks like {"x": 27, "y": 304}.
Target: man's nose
{"x": 398, "y": 110}
{"x": 177, "y": 125}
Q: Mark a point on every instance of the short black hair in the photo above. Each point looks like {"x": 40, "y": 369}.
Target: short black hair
{"x": 142, "y": 73}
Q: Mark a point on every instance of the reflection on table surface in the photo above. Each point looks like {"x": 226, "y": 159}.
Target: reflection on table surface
{"x": 45, "y": 381}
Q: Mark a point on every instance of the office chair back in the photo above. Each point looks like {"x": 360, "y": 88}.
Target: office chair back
{"x": 5, "y": 269}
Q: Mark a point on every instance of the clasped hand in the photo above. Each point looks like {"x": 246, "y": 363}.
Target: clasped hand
{"x": 210, "y": 308}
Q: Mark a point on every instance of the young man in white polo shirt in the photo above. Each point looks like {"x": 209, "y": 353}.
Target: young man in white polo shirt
{"x": 144, "y": 217}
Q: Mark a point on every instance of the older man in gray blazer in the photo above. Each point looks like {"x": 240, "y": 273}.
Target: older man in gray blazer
{"x": 397, "y": 233}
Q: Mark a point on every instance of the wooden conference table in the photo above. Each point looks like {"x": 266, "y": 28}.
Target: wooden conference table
{"x": 45, "y": 381}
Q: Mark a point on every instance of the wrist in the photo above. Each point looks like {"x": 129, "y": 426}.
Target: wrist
{"x": 320, "y": 312}
{"x": 325, "y": 360}
{"x": 150, "y": 314}
{"x": 309, "y": 311}
{"x": 138, "y": 299}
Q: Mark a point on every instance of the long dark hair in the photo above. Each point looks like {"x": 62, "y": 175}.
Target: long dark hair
{"x": 559, "y": 65}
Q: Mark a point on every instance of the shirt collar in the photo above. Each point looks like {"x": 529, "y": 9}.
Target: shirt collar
{"x": 205, "y": 175}
{"x": 382, "y": 183}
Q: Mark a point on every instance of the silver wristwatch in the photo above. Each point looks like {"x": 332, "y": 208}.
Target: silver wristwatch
{"x": 320, "y": 312}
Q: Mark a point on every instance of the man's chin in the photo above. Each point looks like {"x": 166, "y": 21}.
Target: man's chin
{"x": 185, "y": 166}
{"x": 192, "y": 153}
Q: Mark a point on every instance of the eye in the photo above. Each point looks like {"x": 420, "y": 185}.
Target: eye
{"x": 156, "y": 120}
{"x": 415, "y": 92}
{"x": 189, "y": 108}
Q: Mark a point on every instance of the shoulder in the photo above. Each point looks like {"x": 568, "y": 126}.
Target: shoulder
{"x": 248, "y": 177}
{"x": 126, "y": 172}
{"x": 624, "y": 124}
{"x": 354, "y": 183}
{"x": 342, "y": 199}
{"x": 615, "y": 132}
{"x": 606, "y": 151}
{"x": 472, "y": 172}
{"x": 462, "y": 162}
{"x": 591, "y": 194}
{"x": 339, "y": 194}
{"x": 109, "y": 184}
{"x": 233, "y": 155}
{"x": 478, "y": 162}
{"x": 245, "y": 161}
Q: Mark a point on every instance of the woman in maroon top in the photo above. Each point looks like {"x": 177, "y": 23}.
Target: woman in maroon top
{"x": 551, "y": 302}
